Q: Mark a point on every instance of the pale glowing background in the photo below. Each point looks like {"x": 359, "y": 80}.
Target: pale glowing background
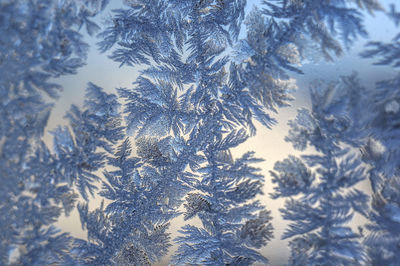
{"x": 268, "y": 144}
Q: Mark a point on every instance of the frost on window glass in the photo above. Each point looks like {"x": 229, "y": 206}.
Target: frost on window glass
{"x": 208, "y": 77}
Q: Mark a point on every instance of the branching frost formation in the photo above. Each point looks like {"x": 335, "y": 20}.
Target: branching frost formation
{"x": 198, "y": 95}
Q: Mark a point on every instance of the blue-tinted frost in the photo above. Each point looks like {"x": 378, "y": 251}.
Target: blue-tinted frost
{"x": 197, "y": 97}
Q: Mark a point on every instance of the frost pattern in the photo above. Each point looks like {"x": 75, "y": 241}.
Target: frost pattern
{"x": 321, "y": 187}
{"x": 198, "y": 95}
{"x": 39, "y": 41}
